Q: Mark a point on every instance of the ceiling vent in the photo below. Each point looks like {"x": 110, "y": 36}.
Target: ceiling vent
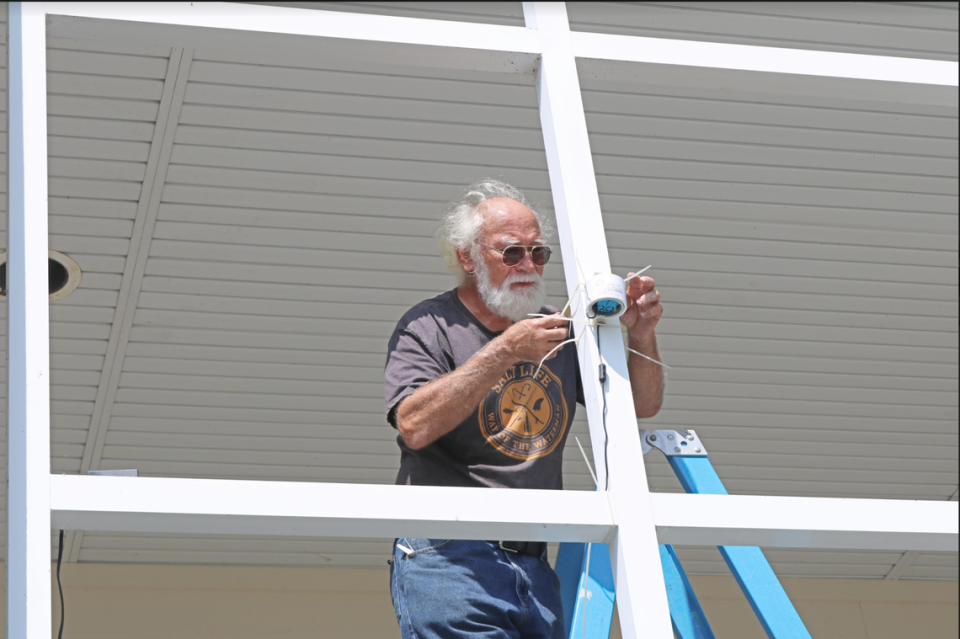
{"x": 63, "y": 275}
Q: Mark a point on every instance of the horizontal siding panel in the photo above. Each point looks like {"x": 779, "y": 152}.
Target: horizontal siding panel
{"x": 328, "y": 221}
{"x": 91, "y": 226}
{"x": 76, "y": 63}
{"x": 104, "y": 146}
{"x": 374, "y": 374}
{"x": 208, "y": 75}
{"x": 337, "y": 165}
{"x": 286, "y": 459}
{"x": 446, "y": 132}
{"x": 102, "y": 86}
{"x": 873, "y": 29}
{"x": 750, "y": 173}
{"x": 282, "y": 101}
{"x": 738, "y": 109}
{"x": 220, "y": 557}
{"x": 211, "y": 470}
{"x": 92, "y": 208}
{"x": 367, "y": 147}
{"x": 114, "y": 108}
{"x": 711, "y": 260}
{"x": 103, "y": 189}
{"x": 772, "y": 193}
{"x": 248, "y": 354}
{"x": 96, "y": 169}
{"x": 773, "y": 230}
{"x": 612, "y": 133}
{"x": 168, "y": 444}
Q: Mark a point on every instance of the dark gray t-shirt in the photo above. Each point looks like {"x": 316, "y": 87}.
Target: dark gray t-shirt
{"x": 515, "y": 438}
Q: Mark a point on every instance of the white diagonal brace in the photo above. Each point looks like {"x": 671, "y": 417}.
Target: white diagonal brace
{"x": 161, "y": 148}
{"x": 28, "y": 329}
{"x": 618, "y": 456}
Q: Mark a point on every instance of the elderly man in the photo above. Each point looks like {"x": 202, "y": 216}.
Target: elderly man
{"x": 464, "y": 394}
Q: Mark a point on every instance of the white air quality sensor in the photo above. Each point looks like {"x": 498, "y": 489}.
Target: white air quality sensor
{"x": 606, "y": 296}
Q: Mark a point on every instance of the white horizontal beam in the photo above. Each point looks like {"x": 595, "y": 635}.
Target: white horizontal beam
{"x": 299, "y": 509}
{"x": 806, "y": 522}
{"x": 284, "y": 31}
{"x": 215, "y": 506}
{"x": 309, "y": 22}
{"x": 744, "y": 57}
{"x": 514, "y": 49}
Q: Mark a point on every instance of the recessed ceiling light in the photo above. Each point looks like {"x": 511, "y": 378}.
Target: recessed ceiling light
{"x": 63, "y": 275}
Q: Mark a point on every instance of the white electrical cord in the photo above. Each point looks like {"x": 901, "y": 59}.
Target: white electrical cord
{"x": 647, "y": 357}
{"x": 638, "y": 273}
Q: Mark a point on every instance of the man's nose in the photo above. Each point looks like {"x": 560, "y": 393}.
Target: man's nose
{"x": 526, "y": 265}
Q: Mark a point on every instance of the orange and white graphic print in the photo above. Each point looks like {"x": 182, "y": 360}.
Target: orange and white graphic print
{"x": 524, "y": 417}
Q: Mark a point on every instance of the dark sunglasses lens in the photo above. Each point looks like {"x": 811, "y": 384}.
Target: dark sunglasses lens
{"x": 513, "y": 255}
{"x": 540, "y": 255}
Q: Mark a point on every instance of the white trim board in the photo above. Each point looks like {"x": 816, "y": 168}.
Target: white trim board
{"x": 28, "y": 330}
{"x": 467, "y": 45}
{"x": 304, "y": 509}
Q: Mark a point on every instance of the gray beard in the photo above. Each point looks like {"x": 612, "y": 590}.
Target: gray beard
{"x": 505, "y": 302}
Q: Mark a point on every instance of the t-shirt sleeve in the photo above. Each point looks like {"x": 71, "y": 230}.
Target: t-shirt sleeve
{"x": 410, "y": 365}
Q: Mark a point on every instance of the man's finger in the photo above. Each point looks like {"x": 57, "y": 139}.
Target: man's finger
{"x": 648, "y": 299}
{"x": 553, "y": 321}
{"x": 651, "y": 313}
{"x": 639, "y": 286}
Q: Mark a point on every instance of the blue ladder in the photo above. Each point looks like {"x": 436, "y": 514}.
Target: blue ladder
{"x": 586, "y": 577}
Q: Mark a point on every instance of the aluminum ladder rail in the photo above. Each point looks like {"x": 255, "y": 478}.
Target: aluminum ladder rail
{"x": 586, "y": 576}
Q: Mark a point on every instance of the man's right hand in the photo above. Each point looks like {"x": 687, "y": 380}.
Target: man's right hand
{"x": 530, "y": 340}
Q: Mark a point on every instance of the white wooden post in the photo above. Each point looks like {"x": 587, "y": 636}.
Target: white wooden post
{"x": 28, "y": 330}
{"x": 641, "y": 594}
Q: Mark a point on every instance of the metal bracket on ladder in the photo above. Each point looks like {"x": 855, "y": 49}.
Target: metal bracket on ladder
{"x": 587, "y": 581}
{"x": 672, "y": 442}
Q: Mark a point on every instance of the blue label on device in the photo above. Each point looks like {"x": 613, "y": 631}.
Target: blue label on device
{"x": 606, "y": 307}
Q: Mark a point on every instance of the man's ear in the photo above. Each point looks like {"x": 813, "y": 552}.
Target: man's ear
{"x": 466, "y": 261}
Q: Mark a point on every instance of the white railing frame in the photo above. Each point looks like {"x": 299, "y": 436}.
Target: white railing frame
{"x": 626, "y": 515}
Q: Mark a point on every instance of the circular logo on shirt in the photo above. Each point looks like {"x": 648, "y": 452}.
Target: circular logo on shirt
{"x": 523, "y": 417}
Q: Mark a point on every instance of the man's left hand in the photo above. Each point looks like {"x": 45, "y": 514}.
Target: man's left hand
{"x": 643, "y": 308}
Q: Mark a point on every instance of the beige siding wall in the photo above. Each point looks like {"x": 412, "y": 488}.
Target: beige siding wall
{"x": 187, "y": 602}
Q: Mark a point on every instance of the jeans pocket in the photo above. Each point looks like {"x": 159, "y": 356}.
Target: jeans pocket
{"x": 423, "y": 546}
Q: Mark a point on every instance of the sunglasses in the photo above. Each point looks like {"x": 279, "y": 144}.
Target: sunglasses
{"x": 513, "y": 255}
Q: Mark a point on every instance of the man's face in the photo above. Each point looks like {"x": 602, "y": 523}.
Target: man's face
{"x": 508, "y": 291}
{"x": 506, "y": 223}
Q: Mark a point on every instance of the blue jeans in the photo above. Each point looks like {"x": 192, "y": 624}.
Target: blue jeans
{"x": 452, "y": 589}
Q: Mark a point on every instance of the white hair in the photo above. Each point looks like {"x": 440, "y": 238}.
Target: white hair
{"x": 462, "y": 225}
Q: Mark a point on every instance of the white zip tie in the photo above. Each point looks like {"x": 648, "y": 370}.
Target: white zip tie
{"x": 556, "y": 348}
{"x": 637, "y": 274}
{"x": 646, "y": 357}
{"x": 406, "y": 551}
{"x": 596, "y": 483}
{"x": 559, "y": 317}
{"x": 567, "y": 305}
{"x": 552, "y": 351}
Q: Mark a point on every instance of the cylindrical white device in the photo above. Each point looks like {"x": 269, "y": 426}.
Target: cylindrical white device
{"x": 606, "y": 296}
